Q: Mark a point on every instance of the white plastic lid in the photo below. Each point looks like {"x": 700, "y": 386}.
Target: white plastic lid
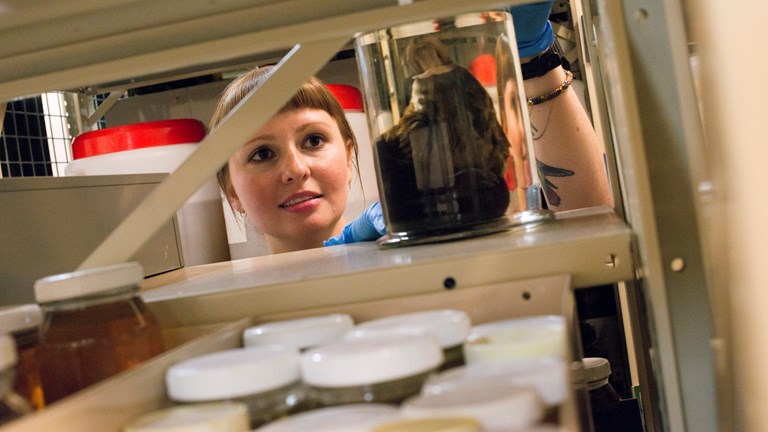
{"x": 232, "y": 373}
{"x": 535, "y": 336}
{"x": 451, "y": 327}
{"x": 447, "y": 424}
{"x": 86, "y": 282}
{"x": 20, "y": 317}
{"x": 596, "y": 370}
{"x": 370, "y": 360}
{"x": 8, "y": 356}
{"x": 501, "y": 409}
{"x": 299, "y": 333}
{"x": 345, "y": 418}
{"x": 548, "y": 376}
{"x": 204, "y": 417}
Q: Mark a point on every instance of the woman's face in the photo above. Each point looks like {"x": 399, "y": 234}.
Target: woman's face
{"x": 292, "y": 179}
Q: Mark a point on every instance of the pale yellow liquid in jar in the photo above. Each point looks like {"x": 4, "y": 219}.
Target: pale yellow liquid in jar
{"x": 83, "y": 346}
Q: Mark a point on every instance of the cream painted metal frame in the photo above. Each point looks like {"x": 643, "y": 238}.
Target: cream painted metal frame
{"x": 111, "y": 43}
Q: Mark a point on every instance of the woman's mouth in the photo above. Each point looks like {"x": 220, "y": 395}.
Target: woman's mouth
{"x": 297, "y": 201}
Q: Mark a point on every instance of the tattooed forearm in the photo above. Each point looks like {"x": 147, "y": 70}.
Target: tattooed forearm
{"x": 550, "y": 190}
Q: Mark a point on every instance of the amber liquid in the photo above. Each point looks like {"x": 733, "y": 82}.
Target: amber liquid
{"x": 82, "y": 346}
{"x": 27, "y": 383}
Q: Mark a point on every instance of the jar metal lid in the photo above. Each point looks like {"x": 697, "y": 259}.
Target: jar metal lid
{"x": 8, "y": 355}
{"x": 299, "y": 333}
{"x": 20, "y": 317}
{"x": 534, "y": 336}
{"x": 232, "y": 373}
{"x": 370, "y": 360}
{"x": 450, "y": 326}
{"x": 497, "y": 408}
{"x": 204, "y": 417}
{"x": 595, "y": 369}
{"x": 87, "y": 282}
{"x": 344, "y": 418}
{"x": 549, "y": 376}
{"x": 447, "y": 424}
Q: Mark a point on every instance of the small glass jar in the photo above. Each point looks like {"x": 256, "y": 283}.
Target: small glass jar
{"x": 497, "y": 408}
{"x": 265, "y": 378}
{"x": 451, "y": 327}
{"x": 385, "y": 369}
{"x": 23, "y": 323}
{"x": 301, "y": 333}
{"x": 95, "y": 325}
{"x": 609, "y": 411}
{"x": 210, "y": 417}
{"x": 548, "y": 376}
{"x": 12, "y": 406}
{"x": 534, "y": 336}
{"x": 344, "y": 418}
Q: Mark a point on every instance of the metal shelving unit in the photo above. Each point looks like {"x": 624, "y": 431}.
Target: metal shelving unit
{"x": 651, "y": 113}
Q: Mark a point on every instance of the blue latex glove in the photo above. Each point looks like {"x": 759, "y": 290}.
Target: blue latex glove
{"x": 532, "y": 28}
{"x": 368, "y": 226}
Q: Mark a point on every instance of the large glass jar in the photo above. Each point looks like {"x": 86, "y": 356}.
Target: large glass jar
{"x": 451, "y": 140}
{"x": 95, "y": 325}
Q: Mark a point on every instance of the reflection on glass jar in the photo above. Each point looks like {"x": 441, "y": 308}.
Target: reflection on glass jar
{"x": 450, "y": 138}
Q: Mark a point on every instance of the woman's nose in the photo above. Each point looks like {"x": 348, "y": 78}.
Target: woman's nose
{"x": 295, "y": 167}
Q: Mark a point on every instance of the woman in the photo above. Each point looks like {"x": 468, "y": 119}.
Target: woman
{"x": 292, "y": 178}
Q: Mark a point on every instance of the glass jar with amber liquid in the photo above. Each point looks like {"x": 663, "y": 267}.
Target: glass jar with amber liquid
{"x": 95, "y": 325}
{"x": 23, "y": 322}
{"x": 12, "y": 406}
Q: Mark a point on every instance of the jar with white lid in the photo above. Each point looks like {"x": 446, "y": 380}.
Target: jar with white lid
{"x": 447, "y": 424}
{"x": 385, "y": 369}
{"x": 266, "y": 379}
{"x": 206, "y": 417}
{"x": 95, "y": 325}
{"x": 343, "y": 418}
{"x": 301, "y": 333}
{"x": 548, "y": 376}
{"x": 451, "y": 327}
{"x": 498, "y": 409}
{"x": 12, "y": 406}
{"x": 23, "y": 323}
{"x": 609, "y": 411}
{"x": 525, "y": 337}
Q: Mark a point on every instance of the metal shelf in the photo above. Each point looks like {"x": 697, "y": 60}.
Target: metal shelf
{"x": 593, "y": 246}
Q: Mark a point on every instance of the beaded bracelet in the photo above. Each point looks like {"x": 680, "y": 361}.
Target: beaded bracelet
{"x": 554, "y": 93}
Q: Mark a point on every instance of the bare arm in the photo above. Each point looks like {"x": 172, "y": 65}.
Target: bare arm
{"x": 568, "y": 154}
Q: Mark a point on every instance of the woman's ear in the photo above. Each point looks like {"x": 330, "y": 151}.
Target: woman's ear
{"x": 234, "y": 200}
{"x": 350, "y": 169}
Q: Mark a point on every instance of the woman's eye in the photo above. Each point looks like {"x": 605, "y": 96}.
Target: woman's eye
{"x": 315, "y": 140}
{"x": 262, "y": 154}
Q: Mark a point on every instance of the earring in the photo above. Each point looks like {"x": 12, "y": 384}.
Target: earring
{"x": 242, "y": 213}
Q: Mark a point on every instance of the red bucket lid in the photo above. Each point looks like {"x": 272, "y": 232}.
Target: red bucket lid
{"x": 136, "y": 136}
{"x": 348, "y": 96}
{"x": 484, "y": 69}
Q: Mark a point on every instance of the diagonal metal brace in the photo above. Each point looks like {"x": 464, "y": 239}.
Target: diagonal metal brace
{"x": 304, "y": 60}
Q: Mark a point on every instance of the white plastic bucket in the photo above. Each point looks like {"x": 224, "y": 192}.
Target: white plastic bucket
{"x": 159, "y": 147}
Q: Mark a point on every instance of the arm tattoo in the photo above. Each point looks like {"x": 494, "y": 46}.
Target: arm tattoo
{"x": 550, "y": 190}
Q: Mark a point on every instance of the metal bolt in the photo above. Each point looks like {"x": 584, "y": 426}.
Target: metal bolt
{"x": 677, "y": 264}
{"x": 640, "y": 16}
